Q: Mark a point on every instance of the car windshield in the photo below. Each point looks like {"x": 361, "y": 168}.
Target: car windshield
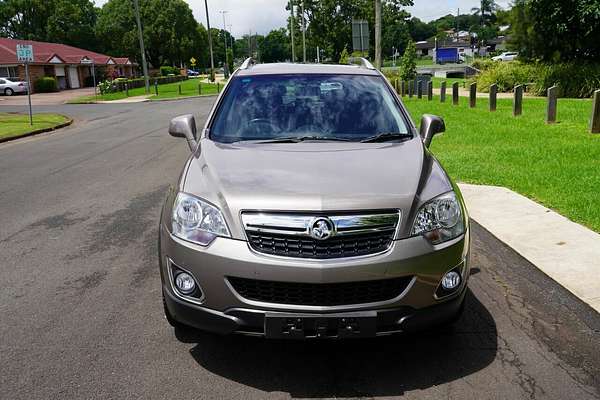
{"x": 307, "y": 106}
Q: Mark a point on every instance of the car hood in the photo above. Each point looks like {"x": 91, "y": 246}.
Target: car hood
{"x": 306, "y": 176}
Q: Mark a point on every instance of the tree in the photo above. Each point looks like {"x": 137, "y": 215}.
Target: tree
{"x": 275, "y": 46}
{"x": 486, "y": 10}
{"x": 171, "y": 33}
{"x": 60, "y": 21}
{"x": 408, "y": 63}
{"x": 568, "y": 33}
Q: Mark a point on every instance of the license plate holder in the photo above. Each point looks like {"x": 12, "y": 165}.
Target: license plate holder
{"x": 302, "y": 326}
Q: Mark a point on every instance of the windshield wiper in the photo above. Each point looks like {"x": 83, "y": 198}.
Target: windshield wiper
{"x": 383, "y": 137}
{"x": 297, "y": 139}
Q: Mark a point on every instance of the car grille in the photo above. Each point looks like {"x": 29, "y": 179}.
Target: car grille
{"x": 320, "y": 236}
{"x": 320, "y": 294}
{"x": 304, "y": 247}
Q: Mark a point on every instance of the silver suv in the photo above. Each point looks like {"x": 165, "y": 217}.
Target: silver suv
{"x": 311, "y": 207}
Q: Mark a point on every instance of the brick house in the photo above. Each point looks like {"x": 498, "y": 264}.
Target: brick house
{"x": 69, "y": 65}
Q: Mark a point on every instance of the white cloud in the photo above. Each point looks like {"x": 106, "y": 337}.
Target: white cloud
{"x": 263, "y": 15}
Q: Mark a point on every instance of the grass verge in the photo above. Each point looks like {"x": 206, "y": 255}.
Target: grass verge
{"x": 168, "y": 91}
{"x": 557, "y": 165}
{"x": 16, "y": 125}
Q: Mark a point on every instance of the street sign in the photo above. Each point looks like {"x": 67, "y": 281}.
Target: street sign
{"x": 193, "y": 61}
{"x": 360, "y": 35}
{"x": 25, "y": 52}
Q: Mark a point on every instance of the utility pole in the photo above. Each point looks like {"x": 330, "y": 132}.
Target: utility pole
{"x": 142, "y": 49}
{"x": 249, "y": 43}
{"x": 378, "y": 34}
{"x": 212, "y": 61}
{"x": 303, "y": 35}
{"x": 231, "y": 38}
{"x": 225, "y": 64}
{"x": 292, "y": 29}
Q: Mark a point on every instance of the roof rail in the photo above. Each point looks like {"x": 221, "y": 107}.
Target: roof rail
{"x": 248, "y": 62}
{"x": 361, "y": 61}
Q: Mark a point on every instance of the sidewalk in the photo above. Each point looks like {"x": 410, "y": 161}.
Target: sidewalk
{"x": 565, "y": 251}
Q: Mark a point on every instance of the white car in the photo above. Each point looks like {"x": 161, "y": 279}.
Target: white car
{"x": 506, "y": 56}
{"x": 9, "y": 87}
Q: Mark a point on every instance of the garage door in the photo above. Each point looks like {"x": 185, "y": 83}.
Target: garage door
{"x": 73, "y": 77}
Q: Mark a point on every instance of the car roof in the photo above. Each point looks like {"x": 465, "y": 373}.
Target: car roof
{"x": 295, "y": 68}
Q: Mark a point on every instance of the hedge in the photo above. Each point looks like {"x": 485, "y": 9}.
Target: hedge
{"x": 166, "y": 70}
{"x": 573, "y": 80}
{"x": 45, "y": 84}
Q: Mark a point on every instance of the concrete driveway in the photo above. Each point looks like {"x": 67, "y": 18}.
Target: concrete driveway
{"x": 80, "y": 295}
{"x": 38, "y": 99}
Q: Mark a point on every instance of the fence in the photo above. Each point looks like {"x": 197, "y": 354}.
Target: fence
{"x": 552, "y": 103}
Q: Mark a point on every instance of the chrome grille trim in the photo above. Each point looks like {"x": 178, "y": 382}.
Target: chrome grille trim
{"x": 298, "y": 224}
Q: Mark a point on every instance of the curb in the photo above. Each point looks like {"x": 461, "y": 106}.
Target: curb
{"x": 567, "y": 252}
{"x": 39, "y": 131}
{"x": 181, "y": 98}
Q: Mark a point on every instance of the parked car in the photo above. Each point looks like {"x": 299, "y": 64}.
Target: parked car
{"x": 506, "y": 56}
{"x": 192, "y": 73}
{"x": 311, "y": 206}
{"x": 9, "y": 86}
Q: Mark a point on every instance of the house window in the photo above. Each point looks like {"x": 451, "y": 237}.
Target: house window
{"x": 8, "y": 72}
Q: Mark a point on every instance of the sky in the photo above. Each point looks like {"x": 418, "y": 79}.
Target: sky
{"x": 263, "y": 15}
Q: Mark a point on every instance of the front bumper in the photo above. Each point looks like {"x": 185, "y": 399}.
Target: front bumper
{"x": 222, "y": 310}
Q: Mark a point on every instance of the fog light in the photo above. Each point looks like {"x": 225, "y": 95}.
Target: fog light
{"x": 451, "y": 280}
{"x": 185, "y": 283}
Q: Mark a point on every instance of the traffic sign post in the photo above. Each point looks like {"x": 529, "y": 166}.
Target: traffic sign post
{"x": 25, "y": 54}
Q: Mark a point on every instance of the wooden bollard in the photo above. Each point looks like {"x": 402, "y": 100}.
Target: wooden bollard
{"x": 403, "y": 88}
{"x": 218, "y": 88}
{"x": 179, "y": 88}
{"x": 595, "y": 120}
{"x": 156, "y": 87}
{"x": 429, "y": 90}
{"x": 396, "y": 86}
{"x": 518, "y": 101}
{"x": 126, "y": 89}
{"x": 411, "y": 89}
{"x": 443, "y": 92}
{"x": 199, "y": 89}
{"x": 552, "y": 104}
{"x": 455, "y": 93}
{"x": 493, "y": 97}
{"x": 473, "y": 95}
{"x": 419, "y": 89}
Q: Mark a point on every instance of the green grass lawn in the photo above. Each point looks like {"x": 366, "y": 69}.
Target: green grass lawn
{"x": 437, "y": 82}
{"x": 167, "y": 91}
{"x": 15, "y": 125}
{"x": 557, "y": 165}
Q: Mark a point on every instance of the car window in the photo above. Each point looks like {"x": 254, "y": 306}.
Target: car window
{"x": 349, "y": 107}
{"x": 2, "y": 81}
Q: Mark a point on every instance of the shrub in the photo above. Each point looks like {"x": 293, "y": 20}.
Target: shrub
{"x": 166, "y": 70}
{"x": 573, "y": 80}
{"x": 408, "y": 63}
{"x": 45, "y": 84}
{"x": 506, "y": 75}
{"x": 106, "y": 87}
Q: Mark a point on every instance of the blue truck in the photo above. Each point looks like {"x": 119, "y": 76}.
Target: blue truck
{"x": 447, "y": 55}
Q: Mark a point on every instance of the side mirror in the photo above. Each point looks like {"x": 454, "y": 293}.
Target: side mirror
{"x": 430, "y": 126}
{"x": 184, "y": 126}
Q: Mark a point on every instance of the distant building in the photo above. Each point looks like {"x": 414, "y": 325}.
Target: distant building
{"x": 69, "y": 65}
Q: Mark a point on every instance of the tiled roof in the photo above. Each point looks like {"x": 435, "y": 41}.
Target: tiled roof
{"x": 44, "y": 52}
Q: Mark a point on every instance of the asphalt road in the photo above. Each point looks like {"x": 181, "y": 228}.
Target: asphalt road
{"x": 80, "y": 303}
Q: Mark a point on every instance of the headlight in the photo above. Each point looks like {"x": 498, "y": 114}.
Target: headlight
{"x": 440, "y": 219}
{"x": 197, "y": 221}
